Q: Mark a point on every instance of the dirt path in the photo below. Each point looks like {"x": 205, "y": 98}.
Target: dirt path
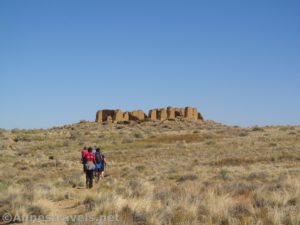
{"x": 60, "y": 211}
{"x": 67, "y": 209}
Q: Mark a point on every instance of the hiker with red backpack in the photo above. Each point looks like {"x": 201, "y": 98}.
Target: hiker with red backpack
{"x": 90, "y": 167}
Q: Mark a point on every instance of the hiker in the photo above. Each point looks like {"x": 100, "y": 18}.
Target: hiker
{"x": 100, "y": 163}
{"x": 83, "y": 159}
{"x": 99, "y": 157}
{"x": 94, "y": 150}
{"x": 90, "y": 167}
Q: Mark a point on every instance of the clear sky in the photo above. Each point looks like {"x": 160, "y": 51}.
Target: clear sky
{"x": 237, "y": 61}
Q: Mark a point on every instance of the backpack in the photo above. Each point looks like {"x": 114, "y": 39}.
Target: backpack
{"x": 90, "y": 165}
{"x": 83, "y": 157}
{"x": 99, "y": 157}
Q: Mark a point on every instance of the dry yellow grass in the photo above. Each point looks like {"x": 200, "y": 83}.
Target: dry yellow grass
{"x": 170, "y": 172}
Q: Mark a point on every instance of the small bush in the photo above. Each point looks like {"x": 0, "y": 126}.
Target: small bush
{"x": 187, "y": 177}
{"x": 224, "y": 174}
{"x": 243, "y": 134}
{"x": 3, "y": 185}
{"x": 128, "y": 140}
{"x": 140, "y": 168}
{"x": 272, "y": 144}
{"x": 138, "y": 135}
{"x": 89, "y": 203}
{"x": 256, "y": 128}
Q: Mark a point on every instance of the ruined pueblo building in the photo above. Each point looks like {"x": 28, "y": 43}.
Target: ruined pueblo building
{"x": 169, "y": 113}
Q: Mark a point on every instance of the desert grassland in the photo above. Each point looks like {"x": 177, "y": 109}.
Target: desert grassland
{"x": 172, "y": 172}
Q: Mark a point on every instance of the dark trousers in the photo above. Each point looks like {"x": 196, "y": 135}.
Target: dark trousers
{"x": 89, "y": 178}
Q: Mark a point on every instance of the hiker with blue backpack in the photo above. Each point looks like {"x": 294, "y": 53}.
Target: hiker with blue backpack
{"x": 100, "y": 164}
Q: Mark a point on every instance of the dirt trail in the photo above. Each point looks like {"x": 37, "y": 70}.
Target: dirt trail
{"x": 66, "y": 209}
{"x": 60, "y": 210}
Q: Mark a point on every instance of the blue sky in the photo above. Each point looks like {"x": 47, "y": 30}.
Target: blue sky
{"x": 237, "y": 61}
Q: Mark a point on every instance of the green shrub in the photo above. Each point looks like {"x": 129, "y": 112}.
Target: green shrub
{"x": 256, "y": 128}
{"x": 3, "y": 185}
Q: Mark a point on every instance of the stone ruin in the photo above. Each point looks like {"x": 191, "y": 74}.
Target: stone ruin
{"x": 169, "y": 113}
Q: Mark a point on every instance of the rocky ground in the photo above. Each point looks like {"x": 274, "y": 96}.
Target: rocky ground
{"x": 171, "y": 172}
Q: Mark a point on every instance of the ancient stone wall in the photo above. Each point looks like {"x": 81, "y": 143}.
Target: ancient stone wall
{"x": 162, "y": 114}
{"x": 118, "y": 116}
{"x": 102, "y": 115}
{"x": 169, "y": 113}
{"x": 126, "y": 116}
{"x": 137, "y": 115}
{"x": 152, "y": 114}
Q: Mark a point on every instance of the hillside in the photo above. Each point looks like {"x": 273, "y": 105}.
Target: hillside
{"x": 170, "y": 172}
